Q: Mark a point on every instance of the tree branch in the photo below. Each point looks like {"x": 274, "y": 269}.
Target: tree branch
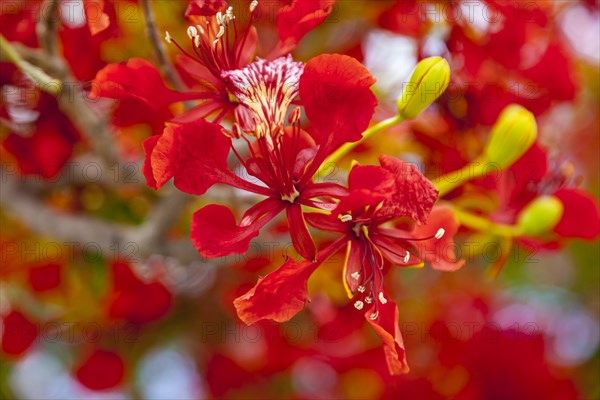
{"x": 159, "y": 47}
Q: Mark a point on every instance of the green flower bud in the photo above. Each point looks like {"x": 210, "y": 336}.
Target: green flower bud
{"x": 512, "y": 135}
{"x": 428, "y": 81}
{"x": 540, "y": 216}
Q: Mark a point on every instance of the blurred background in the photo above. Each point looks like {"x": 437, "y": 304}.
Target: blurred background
{"x": 103, "y": 296}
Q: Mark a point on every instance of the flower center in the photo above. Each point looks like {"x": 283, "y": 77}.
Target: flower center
{"x": 267, "y": 88}
{"x": 291, "y": 197}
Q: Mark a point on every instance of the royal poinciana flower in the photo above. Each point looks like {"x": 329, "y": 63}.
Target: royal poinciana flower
{"x": 283, "y": 159}
{"x": 534, "y": 175}
{"x": 378, "y": 195}
{"x": 219, "y": 42}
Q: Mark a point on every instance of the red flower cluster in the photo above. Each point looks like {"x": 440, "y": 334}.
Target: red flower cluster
{"x": 334, "y": 93}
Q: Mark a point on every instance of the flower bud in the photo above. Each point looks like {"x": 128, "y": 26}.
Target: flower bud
{"x": 512, "y": 135}
{"x": 540, "y": 216}
{"x": 428, "y": 81}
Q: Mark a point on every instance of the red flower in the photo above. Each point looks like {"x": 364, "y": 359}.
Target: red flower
{"x": 140, "y": 94}
{"x": 500, "y": 51}
{"x": 134, "y": 300}
{"x": 284, "y": 159}
{"x": 18, "y": 333}
{"x": 533, "y": 175}
{"x": 220, "y": 42}
{"x": 378, "y": 195}
{"x": 101, "y": 370}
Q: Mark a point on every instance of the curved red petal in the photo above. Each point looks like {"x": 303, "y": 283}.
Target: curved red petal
{"x": 581, "y": 218}
{"x": 149, "y": 145}
{"x": 215, "y": 233}
{"x": 140, "y": 93}
{"x": 386, "y": 326}
{"x": 371, "y": 177}
{"x": 439, "y": 252}
{"x": 281, "y": 294}
{"x": 195, "y": 154}
{"x": 326, "y": 222}
{"x": 204, "y": 7}
{"x": 303, "y": 242}
{"x": 294, "y": 21}
{"x": 414, "y": 194}
{"x": 335, "y": 91}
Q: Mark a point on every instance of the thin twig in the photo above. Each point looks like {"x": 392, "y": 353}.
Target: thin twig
{"x": 159, "y": 47}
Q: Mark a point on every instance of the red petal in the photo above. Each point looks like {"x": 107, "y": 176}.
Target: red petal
{"x": 204, "y": 7}
{"x": 395, "y": 249}
{"x": 324, "y": 190}
{"x": 386, "y": 326}
{"x": 195, "y": 154}
{"x": 357, "y": 200}
{"x": 439, "y": 252}
{"x": 303, "y": 242}
{"x": 414, "y": 194}
{"x": 371, "y": 177}
{"x": 101, "y": 370}
{"x": 326, "y": 222}
{"x": 18, "y": 333}
{"x": 47, "y": 150}
{"x": 45, "y": 277}
{"x": 140, "y": 93}
{"x": 300, "y": 17}
{"x": 149, "y": 145}
{"x": 215, "y": 233}
{"x": 335, "y": 91}
{"x": 281, "y": 294}
{"x": 581, "y": 217}
{"x": 134, "y": 300}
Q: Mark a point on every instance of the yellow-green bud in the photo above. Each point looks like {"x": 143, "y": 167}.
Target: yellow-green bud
{"x": 428, "y": 81}
{"x": 512, "y": 135}
{"x": 540, "y": 216}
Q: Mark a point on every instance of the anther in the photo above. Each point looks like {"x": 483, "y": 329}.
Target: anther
{"x": 382, "y": 298}
{"x": 359, "y": 305}
{"x": 368, "y": 300}
{"x": 253, "y": 5}
{"x": 406, "y": 257}
{"x": 374, "y": 315}
{"x": 192, "y": 32}
{"x": 440, "y": 233}
{"x": 355, "y": 275}
{"x": 361, "y": 289}
{"x": 197, "y": 41}
{"x": 219, "y": 34}
{"x": 200, "y": 29}
{"x": 345, "y": 217}
{"x": 168, "y": 37}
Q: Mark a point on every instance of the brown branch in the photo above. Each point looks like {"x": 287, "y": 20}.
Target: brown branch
{"x": 47, "y": 27}
{"x": 24, "y": 205}
{"x": 159, "y": 47}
